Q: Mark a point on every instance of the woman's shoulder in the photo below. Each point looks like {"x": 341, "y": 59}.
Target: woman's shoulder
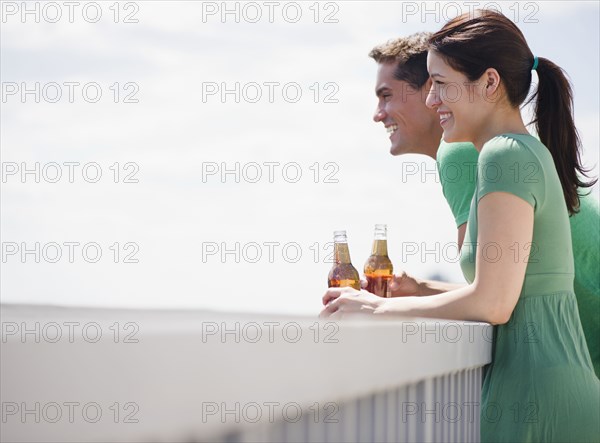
{"x": 514, "y": 163}
{"x": 511, "y": 148}
{"x": 504, "y": 144}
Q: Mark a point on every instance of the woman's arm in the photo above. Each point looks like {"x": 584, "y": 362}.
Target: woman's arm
{"x": 504, "y": 221}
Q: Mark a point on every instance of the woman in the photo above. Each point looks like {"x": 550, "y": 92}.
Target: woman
{"x": 517, "y": 255}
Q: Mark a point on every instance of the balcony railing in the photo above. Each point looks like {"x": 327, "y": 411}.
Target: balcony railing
{"x": 101, "y": 375}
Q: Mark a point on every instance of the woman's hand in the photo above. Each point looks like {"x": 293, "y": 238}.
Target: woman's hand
{"x": 340, "y": 301}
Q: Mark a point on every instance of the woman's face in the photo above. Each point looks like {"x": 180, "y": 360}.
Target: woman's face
{"x": 463, "y": 106}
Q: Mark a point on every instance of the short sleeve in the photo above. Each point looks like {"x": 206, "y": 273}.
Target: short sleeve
{"x": 457, "y": 168}
{"x": 509, "y": 165}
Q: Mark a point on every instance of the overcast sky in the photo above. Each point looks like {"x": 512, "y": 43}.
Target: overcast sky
{"x": 309, "y": 157}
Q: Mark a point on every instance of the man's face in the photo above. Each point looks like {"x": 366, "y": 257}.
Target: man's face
{"x": 401, "y": 108}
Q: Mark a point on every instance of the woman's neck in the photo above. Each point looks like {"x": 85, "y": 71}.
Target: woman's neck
{"x": 503, "y": 122}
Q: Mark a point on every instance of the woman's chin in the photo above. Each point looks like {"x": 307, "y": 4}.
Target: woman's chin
{"x": 448, "y": 138}
{"x": 452, "y": 137}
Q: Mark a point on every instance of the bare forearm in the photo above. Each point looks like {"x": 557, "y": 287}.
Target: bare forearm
{"x": 433, "y": 287}
{"x": 457, "y": 304}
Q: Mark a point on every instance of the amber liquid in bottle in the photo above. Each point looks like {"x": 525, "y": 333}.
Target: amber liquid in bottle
{"x": 378, "y": 268}
{"x": 342, "y": 273}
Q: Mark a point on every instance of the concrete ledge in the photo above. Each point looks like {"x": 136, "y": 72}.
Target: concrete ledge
{"x": 193, "y": 375}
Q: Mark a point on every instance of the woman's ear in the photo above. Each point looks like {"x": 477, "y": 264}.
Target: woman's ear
{"x": 491, "y": 79}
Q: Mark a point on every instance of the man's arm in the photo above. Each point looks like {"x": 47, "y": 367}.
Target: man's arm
{"x": 404, "y": 285}
{"x": 462, "y": 229}
{"x": 432, "y": 287}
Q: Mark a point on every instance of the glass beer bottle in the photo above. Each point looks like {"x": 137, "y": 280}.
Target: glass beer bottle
{"x": 378, "y": 268}
{"x": 342, "y": 273}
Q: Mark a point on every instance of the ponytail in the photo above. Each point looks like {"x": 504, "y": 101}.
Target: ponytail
{"x": 556, "y": 128}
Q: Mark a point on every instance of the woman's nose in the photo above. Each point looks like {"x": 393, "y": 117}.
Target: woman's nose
{"x": 433, "y": 99}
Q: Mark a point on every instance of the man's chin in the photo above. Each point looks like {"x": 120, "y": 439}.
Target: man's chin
{"x": 397, "y": 150}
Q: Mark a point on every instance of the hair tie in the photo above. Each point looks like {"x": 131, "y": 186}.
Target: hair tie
{"x": 535, "y": 63}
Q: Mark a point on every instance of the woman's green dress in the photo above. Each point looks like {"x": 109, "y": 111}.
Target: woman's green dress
{"x": 540, "y": 385}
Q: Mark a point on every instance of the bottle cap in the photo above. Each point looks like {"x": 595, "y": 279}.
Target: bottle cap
{"x": 339, "y": 236}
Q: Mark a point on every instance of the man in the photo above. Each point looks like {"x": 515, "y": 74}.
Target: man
{"x": 402, "y": 87}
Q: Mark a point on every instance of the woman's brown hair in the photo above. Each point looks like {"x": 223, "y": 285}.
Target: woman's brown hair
{"x": 473, "y": 43}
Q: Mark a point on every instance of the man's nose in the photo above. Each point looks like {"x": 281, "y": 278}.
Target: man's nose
{"x": 379, "y": 115}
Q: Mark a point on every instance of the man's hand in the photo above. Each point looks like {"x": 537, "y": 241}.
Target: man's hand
{"x": 401, "y": 285}
{"x": 404, "y": 285}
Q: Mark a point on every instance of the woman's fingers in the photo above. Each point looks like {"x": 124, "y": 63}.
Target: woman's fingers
{"x": 334, "y": 298}
{"x": 333, "y": 293}
{"x": 349, "y": 300}
{"x": 329, "y": 309}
